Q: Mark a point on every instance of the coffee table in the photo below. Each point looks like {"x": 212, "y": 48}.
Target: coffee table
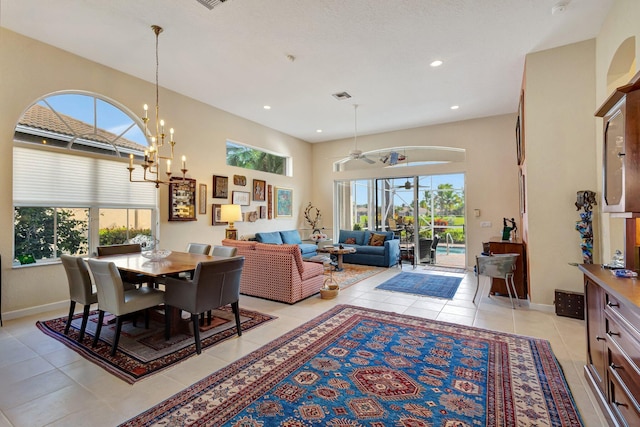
{"x": 335, "y": 250}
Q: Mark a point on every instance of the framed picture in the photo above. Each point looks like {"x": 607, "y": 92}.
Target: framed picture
{"x": 240, "y": 198}
{"x": 262, "y": 212}
{"x": 259, "y": 190}
{"x": 520, "y": 130}
{"x": 202, "y": 199}
{"x": 284, "y": 202}
{"x": 269, "y": 201}
{"x": 220, "y": 187}
{"x": 523, "y": 195}
{"x": 231, "y": 234}
{"x": 240, "y": 180}
{"x": 182, "y": 199}
{"x": 215, "y": 215}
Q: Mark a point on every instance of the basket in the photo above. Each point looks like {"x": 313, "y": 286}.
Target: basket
{"x": 329, "y": 293}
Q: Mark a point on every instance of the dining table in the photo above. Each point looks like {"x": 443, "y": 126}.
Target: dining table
{"x": 172, "y": 265}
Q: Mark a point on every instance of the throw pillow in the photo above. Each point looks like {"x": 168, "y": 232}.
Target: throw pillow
{"x": 350, "y": 241}
{"x": 377, "y": 239}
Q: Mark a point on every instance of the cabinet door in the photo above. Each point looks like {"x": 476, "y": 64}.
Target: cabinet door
{"x": 498, "y": 286}
{"x": 596, "y": 336}
{"x": 614, "y": 161}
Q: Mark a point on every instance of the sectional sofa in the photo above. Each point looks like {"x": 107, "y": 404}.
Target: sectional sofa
{"x": 288, "y": 237}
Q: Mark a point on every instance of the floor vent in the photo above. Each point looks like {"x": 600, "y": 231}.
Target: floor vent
{"x": 341, "y": 95}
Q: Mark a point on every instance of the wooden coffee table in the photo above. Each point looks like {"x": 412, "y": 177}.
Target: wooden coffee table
{"x": 334, "y": 250}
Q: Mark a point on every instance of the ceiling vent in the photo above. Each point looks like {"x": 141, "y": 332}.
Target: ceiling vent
{"x": 210, "y": 4}
{"x": 341, "y": 96}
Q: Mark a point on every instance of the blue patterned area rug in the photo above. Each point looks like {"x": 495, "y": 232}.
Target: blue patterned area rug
{"x": 359, "y": 367}
{"x": 429, "y": 284}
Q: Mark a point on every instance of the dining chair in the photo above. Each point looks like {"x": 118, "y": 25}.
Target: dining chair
{"x": 113, "y": 298}
{"x": 224, "y": 251}
{"x": 500, "y": 266}
{"x": 80, "y": 290}
{"x": 127, "y": 248}
{"x": 215, "y": 284}
{"x": 198, "y": 248}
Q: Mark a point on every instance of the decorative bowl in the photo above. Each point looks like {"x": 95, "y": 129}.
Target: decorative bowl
{"x": 156, "y": 255}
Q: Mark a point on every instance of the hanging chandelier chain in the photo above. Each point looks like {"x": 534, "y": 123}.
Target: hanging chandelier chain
{"x": 157, "y": 30}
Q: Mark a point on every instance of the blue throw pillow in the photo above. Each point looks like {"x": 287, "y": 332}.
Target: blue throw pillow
{"x": 290, "y": 237}
{"x": 272, "y": 238}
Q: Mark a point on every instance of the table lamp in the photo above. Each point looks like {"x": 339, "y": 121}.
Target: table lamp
{"x": 231, "y": 214}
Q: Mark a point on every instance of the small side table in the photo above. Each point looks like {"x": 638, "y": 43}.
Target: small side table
{"x": 334, "y": 250}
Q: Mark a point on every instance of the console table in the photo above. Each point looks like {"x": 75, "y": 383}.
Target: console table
{"x": 613, "y": 343}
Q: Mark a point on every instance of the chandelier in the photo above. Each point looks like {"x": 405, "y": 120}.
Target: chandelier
{"x": 152, "y": 157}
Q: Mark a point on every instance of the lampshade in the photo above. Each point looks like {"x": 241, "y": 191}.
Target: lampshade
{"x": 230, "y": 213}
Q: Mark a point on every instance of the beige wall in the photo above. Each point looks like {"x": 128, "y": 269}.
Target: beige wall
{"x": 491, "y": 172}
{"x": 30, "y": 70}
{"x": 559, "y": 153}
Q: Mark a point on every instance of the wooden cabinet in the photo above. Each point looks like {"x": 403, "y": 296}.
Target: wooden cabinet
{"x": 498, "y": 286}
{"x": 613, "y": 343}
{"x": 621, "y": 149}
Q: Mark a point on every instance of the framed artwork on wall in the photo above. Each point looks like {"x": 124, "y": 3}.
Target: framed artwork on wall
{"x": 182, "y": 199}
{"x": 520, "y": 130}
{"x": 259, "y": 190}
{"x": 269, "y": 201}
{"x": 202, "y": 199}
{"x": 284, "y": 202}
{"x": 215, "y": 215}
{"x": 240, "y": 198}
{"x": 220, "y": 187}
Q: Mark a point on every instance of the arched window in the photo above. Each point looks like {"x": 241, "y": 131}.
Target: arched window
{"x": 71, "y": 189}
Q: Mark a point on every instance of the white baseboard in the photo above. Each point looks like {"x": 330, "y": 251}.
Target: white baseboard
{"x": 16, "y": 314}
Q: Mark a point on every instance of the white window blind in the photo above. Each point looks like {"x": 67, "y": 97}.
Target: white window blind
{"x": 48, "y": 178}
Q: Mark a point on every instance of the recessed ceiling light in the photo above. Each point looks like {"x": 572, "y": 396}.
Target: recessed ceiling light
{"x": 319, "y": 130}
{"x": 267, "y": 107}
{"x": 436, "y": 63}
{"x": 455, "y": 107}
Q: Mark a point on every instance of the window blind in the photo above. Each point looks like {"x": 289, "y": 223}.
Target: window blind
{"x": 49, "y": 178}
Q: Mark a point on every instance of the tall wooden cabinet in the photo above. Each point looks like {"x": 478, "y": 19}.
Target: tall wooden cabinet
{"x": 498, "y": 286}
{"x": 613, "y": 343}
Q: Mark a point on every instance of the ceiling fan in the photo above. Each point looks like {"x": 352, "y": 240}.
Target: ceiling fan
{"x": 393, "y": 158}
{"x": 356, "y": 154}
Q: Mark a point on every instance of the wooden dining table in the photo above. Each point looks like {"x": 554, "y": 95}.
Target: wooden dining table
{"x": 173, "y": 264}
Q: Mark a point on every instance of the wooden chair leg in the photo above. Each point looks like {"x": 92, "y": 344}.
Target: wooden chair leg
{"x": 98, "y": 328}
{"x": 209, "y": 316}
{"x": 85, "y": 318}
{"x": 72, "y": 308}
{"x": 196, "y": 332}
{"x": 116, "y": 338}
{"x": 236, "y": 310}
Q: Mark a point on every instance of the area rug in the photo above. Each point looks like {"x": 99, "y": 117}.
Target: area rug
{"x": 354, "y": 273}
{"x": 143, "y": 352}
{"x": 439, "y": 285}
{"x": 359, "y": 367}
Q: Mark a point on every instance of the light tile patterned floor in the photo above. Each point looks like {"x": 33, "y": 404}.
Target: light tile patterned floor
{"x": 44, "y": 383}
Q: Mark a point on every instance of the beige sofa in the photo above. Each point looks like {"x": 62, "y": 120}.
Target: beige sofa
{"x": 277, "y": 272}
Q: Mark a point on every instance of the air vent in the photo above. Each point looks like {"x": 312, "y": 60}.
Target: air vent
{"x": 210, "y": 4}
{"x": 341, "y": 95}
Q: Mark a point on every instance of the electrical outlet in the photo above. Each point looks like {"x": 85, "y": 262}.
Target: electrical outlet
{"x": 485, "y": 224}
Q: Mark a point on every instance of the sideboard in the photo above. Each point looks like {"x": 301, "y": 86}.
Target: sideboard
{"x": 613, "y": 343}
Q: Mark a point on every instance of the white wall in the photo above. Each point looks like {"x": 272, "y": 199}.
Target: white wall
{"x": 491, "y": 171}
{"x": 30, "y": 69}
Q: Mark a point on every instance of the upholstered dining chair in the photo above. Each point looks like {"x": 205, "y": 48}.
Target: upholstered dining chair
{"x": 80, "y": 290}
{"x": 500, "y": 266}
{"x": 214, "y": 284}
{"x": 113, "y": 298}
{"x": 224, "y": 251}
{"x": 127, "y": 248}
{"x": 199, "y": 248}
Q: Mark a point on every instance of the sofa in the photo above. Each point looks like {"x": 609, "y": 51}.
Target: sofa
{"x": 384, "y": 251}
{"x": 277, "y": 272}
{"x": 288, "y": 237}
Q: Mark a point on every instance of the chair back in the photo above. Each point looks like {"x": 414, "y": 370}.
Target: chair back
{"x": 198, "y": 248}
{"x": 80, "y": 287}
{"x": 218, "y": 283}
{"x": 224, "y": 251}
{"x": 498, "y": 265}
{"x": 128, "y": 248}
{"x": 109, "y": 285}
{"x": 436, "y": 239}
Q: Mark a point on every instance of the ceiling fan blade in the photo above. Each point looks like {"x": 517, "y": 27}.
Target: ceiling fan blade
{"x": 366, "y": 159}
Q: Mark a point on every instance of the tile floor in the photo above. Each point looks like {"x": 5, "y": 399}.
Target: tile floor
{"x": 42, "y": 382}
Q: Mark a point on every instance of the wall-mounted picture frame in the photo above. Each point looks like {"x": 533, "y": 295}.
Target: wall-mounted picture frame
{"x": 240, "y": 180}
{"x": 215, "y": 215}
{"x": 240, "y": 198}
{"x": 182, "y": 199}
{"x": 284, "y": 202}
{"x": 259, "y": 190}
{"x": 202, "y": 199}
{"x": 262, "y": 212}
{"x": 220, "y": 187}
{"x": 520, "y": 130}
{"x": 523, "y": 195}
